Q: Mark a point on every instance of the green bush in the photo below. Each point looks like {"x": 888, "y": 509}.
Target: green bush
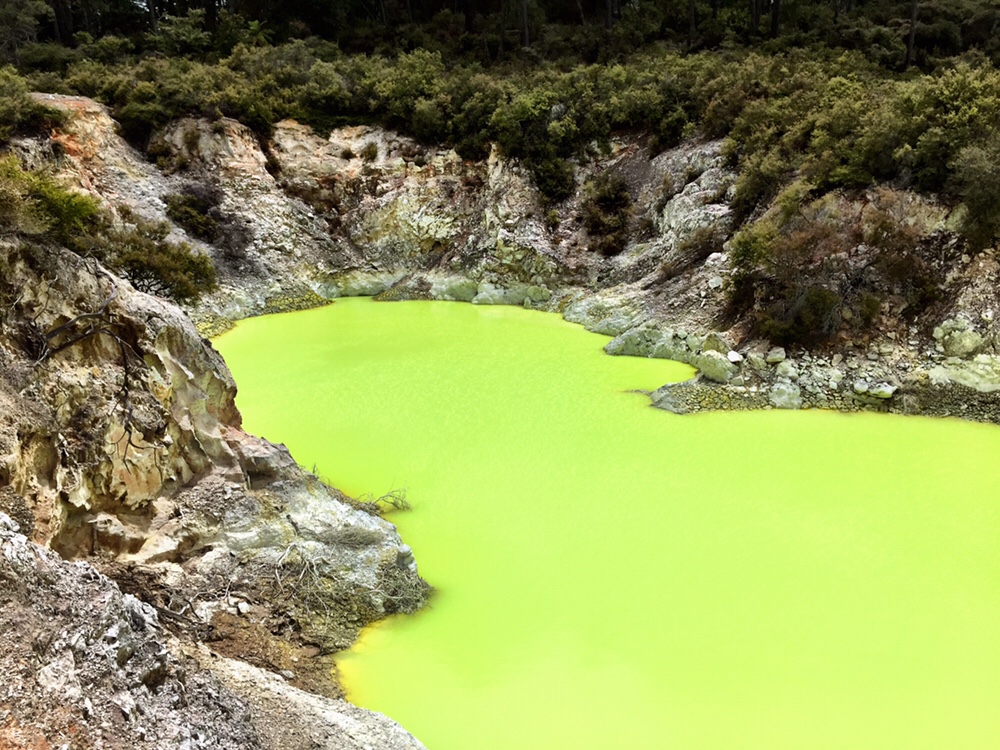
{"x": 142, "y": 254}
{"x": 428, "y": 123}
{"x": 33, "y": 203}
{"x": 607, "y": 209}
{"x": 176, "y": 36}
{"x": 19, "y": 212}
{"x": 70, "y": 214}
{"x": 108, "y": 49}
{"x": 832, "y": 117}
{"x": 46, "y": 56}
{"x": 554, "y": 178}
{"x": 191, "y": 211}
{"x": 977, "y": 182}
{"x": 19, "y": 113}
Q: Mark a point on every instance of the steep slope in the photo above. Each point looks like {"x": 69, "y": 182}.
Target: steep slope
{"x": 121, "y": 444}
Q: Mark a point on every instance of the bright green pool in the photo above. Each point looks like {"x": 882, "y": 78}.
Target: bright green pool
{"x": 613, "y": 576}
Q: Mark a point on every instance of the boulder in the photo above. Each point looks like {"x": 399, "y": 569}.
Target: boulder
{"x": 957, "y": 338}
{"x": 785, "y": 396}
{"x": 776, "y": 355}
{"x": 715, "y": 366}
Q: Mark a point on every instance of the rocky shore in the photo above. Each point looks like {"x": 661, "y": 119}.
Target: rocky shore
{"x": 120, "y": 445}
{"x": 410, "y": 222}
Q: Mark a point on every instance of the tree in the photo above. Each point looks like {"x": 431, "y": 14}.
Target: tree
{"x": 19, "y": 21}
{"x": 977, "y": 179}
{"x": 692, "y": 23}
{"x": 911, "y": 38}
{"x": 755, "y": 9}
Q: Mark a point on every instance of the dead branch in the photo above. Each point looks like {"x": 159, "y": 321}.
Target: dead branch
{"x": 101, "y": 322}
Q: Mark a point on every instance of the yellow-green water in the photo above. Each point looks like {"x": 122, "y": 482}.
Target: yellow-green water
{"x": 613, "y": 576}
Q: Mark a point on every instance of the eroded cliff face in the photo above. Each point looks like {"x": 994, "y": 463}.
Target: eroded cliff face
{"x": 120, "y": 443}
{"x": 86, "y": 666}
{"x": 366, "y": 211}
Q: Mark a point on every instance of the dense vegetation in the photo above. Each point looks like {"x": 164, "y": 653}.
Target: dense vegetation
{"x": 811, "y": 96}
{"x": 35, "y": 206}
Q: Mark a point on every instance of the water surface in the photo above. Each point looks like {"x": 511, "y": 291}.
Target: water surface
{"x": 613, "y": 576}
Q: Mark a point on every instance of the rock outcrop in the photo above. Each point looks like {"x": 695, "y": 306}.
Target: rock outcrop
{"x": 87, "y": 667}
{"x": 120, "y": 443}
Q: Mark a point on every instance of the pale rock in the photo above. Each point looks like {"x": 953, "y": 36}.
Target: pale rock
{"x": 982, "y": 373}
{"x": 59, "y": 676}
{"x": 775, "y": 355}
{"x": 360, "y": 284}
{"x": 649, "y": 341}
{"x": 716, "y": 342}
{"x": 714, "y": 366}
{"x": 453, "y": 288}
{"x": 787, "y": 369}
{"x": 957, "y": 338}
{"x": 883, "y": 390}
{"x": 785, "y": 395}
{"x": 696, "y": 343}
{"x": 607, "y": 314}
{"x": 757, "y": 362}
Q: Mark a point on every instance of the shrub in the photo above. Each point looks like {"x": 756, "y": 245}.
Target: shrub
{"x": 48, "y": 56}
{"x": 70, "y": 214}
{"x": 804, "y": 314}
{"x": 977, "y": 181}
{"x": 804, "y": 276}
{"x": 108, "y": 49}
{"x": 33, "y": 203}
{"x": 143, "y": 255}
{"x": 428, "y": 123}
{"x": 397, "y": 87}
{"x": 197, "y": 208}
{"x": 554, "y": 178}
{"x": 19, "y": 112}
{"x": 176, "y": 36}
{"x": 19, "y": 212}
{"x": 191, "y": 210}
{"x": 904, "y": 254}
{"x": 607, "y": 209}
